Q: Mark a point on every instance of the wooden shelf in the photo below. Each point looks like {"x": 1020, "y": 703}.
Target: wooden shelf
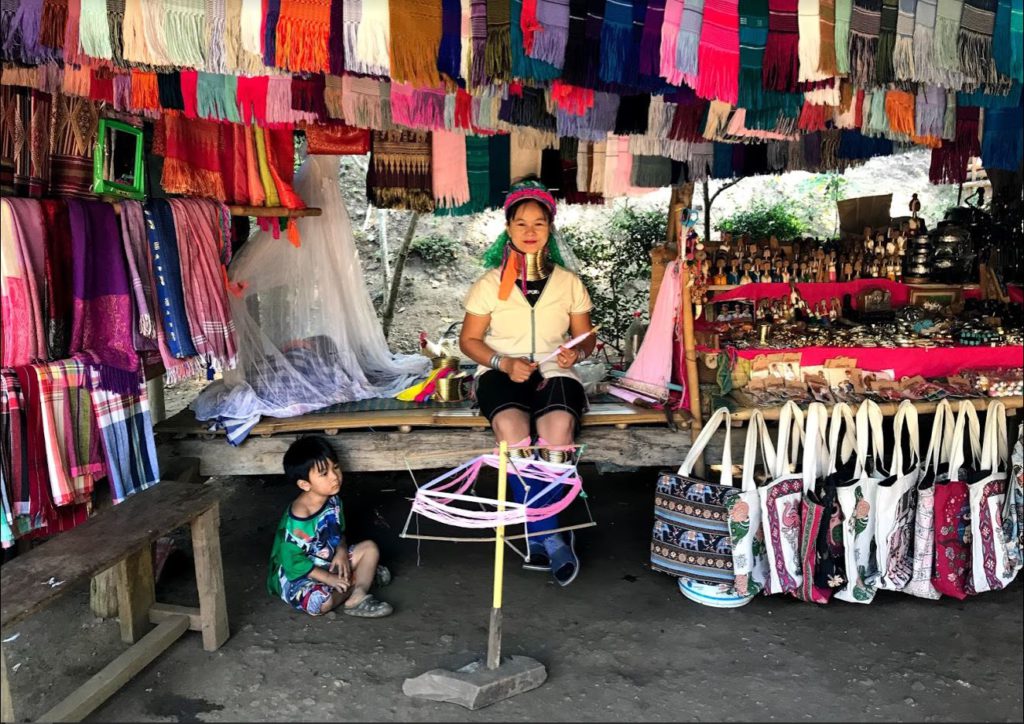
{"x": 888, "y": 408}
{"x": 730, "y": 287}
{"x": 273, "y": 212}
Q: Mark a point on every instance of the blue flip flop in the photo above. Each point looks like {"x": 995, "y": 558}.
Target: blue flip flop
{"x": 565, "y": 565}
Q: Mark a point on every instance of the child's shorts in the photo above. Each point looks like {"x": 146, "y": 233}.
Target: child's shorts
{"x": 305, "y": 594}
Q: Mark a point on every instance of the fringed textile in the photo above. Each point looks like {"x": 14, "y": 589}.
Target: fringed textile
{"x": 947, "y": 33}
{"x": 1008, "y": 39}
{"x": 865, "y": 25}
{"x": 528, "y": 107}
{"x": 651, "y": 172}
{"x": 583, "y": 50}
{"x": 1001, "y": 142}
{"x": 217, "y": 97}
{"x": 373, "y": 38}
{"x": 975, "y": 40}
{"x": 24, "y": 294}
{"x": 140, "y": 270}
{"x": 719, "y": 52}
{"x": 251, "y": 94}
{"x": 844, "y": 11}
{"x": 551, "y": 36}
{"x": 164, "y": 255}
{"x": 929, "y": 111}
{"x": 191, "y": 161}
{"x": 616, "y": 40}
{"x": 271, "y": 15}
{"x": 308, "y": 95}
{"x": 477, "y": 171}
{"x": 632, "y": 116}
{"x": 809, "y": 44}
{"x": 688, "y": 40}
{"x": 336, "y": 38}
{"x": 523, "y": 66}
{"x": 73, "y": 127}
{"x": 94, "y": 30}
{"x": 414, "y": 57}
{"x": 650, "y": 39}
{"x": 781, "y": 69}
{"x": 949, "y": 163}
{"x": 133, "y": 34}
{"x": 925, "y": 16}
{"x": 717, "y": 120}
{"x": 417, "y": 108}
{"x": 827, "y": 33}
{"x": 333, "y": 90}
{"x": 499, "y": 164}
{"x": 399, "y": 171}
{"x": 449, "y": 52}
{"x": 669, "y": 40}
{"x": 899, "y": 109}
{"x": 478, "y": 43}
{"x": 303, "y": 36}
{"x": 753, "y": 37}
{"x": 53, "y": 25}
{"x": 903, "y": 51}
{"x": 186, "y": 33}
{"x": 498, "y": 50}
{"x": 216, "y": 19}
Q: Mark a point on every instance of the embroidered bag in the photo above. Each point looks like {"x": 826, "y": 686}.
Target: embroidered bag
{"x": 990, "y": 566}
{"x": 897, "y": 503}
{"x": 952, "y": 574}
{"x": 780, "y": 505}
{"x": 935, "y": 468}
{"x": 1013, "y": 509}
{"x": 857, "y": 500}
{"x": 690, "y": 538}
{"x": 750, "y": 562}
{"x": 816, "y": 510}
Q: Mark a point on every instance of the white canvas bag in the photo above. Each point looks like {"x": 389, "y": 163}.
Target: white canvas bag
{"x": 780, "y": 505}
{"x": 896, "y": 504}
{"x": 857, "y": 501}
{"x": 749, "y": 555}
{"x": 990, "y": 566}
{"x": 923, "y": 557}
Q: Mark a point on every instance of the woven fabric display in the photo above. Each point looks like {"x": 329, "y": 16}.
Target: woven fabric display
{"x": 781, "y": 68}
{"x": 414, "y": 57}
{"x": 903, "y": 51}
{"x": 718, "y": 52}
{"x": 302, "y": 35}
{"x": 399, "y": 172}
{"x": 688, "y": 40}
{"x": 865, "y": 26}
{"x": 974, "y": 42}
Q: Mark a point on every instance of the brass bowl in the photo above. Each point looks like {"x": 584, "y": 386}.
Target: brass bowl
{"x": 449, "y": 362}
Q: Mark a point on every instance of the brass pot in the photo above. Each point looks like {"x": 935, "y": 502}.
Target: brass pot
{"x": 450, "y": 389}
{"x": 449, "y": 362}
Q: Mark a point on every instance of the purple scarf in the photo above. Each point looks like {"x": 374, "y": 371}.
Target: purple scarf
{"x": 336, "y": 39}
{"x": 550, "y": 40}
{"x": 101, "y": 328}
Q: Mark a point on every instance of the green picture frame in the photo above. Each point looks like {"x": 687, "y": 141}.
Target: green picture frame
{"x": 103, "y": 181}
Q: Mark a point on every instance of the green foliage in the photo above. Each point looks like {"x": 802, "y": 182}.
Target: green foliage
{"x": 616, "y": 266}
{"x": 763, "y": 219}
{"x": 435, "y": 249}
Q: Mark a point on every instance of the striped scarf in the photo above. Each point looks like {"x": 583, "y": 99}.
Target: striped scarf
{"x": 688, "y": 40}
{"x": 136, "y": 252}
{"x": 216, "y": 21}
{"x": 115, "y": 24}
{"x": 478, "y": 42}
{"x": 552, "y": 33}
{"x": 844, "y": 11}
{"x": 975, "y": 40}
{"x": 947, "y": 33}
{"x": 163, "y": 249}
{"x": 498, "y": 49}
{"x": 884, "y": 72}
{"x": 865, "y": 25}
{"x": 669, "y": 38}
{"x": 903, "y": 51}
{"x": 414, "y": 58}
{"x": 782, "y": 51}
{"x": 718, "y": 54}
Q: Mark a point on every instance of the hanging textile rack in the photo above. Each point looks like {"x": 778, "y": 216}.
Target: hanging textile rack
{"x": 277, "y": 212}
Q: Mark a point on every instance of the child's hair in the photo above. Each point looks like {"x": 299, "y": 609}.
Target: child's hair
{"x": 306, "y": 453}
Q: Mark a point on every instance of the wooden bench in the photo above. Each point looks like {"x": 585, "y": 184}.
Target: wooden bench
{"x": 121, "y": 538}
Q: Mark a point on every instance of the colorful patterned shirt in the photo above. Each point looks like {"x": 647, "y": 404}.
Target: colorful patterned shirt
{"x": 300, "y": 544}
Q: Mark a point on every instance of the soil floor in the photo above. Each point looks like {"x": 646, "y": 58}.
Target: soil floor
{"x": 620, "y": 643}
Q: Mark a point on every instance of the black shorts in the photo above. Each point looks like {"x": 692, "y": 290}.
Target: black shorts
{"x": 495, "y": 391}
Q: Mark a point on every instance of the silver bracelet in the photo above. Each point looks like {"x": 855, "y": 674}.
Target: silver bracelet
{"x": 581, "y": 354}
{"x": 496, "y": 361}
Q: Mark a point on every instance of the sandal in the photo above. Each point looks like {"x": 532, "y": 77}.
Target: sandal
{"x": 382, "y": 577}
{"x": 369, "y": 607}
{"x": 538, "y": 560}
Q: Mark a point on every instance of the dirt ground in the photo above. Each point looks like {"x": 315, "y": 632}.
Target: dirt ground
{"x": 620, "y": 643}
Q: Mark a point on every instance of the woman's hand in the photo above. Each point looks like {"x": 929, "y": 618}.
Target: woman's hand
{"x": 567, "y": 357}
{"x": 518, "y": 369}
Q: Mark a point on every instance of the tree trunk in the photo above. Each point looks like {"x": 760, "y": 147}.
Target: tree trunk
{"x": 396, "y": 279}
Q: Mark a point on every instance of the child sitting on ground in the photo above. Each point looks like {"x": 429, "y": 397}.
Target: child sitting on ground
{"x": 312, "y": 567}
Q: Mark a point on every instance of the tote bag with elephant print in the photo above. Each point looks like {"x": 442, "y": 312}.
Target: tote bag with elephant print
{"x": 690, "y": 538}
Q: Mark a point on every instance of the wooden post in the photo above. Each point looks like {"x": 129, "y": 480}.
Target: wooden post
{"x": 155, "y": 392}
{"x": 103, "y": 593}
{"x": 213, "y": 605}
{"x": 494, "y": 633}
{"x": 6, "y": 702}
{"x": 136, "y": 592}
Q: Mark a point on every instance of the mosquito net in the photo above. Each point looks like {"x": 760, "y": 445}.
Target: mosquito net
{"x": 308, "y": 335}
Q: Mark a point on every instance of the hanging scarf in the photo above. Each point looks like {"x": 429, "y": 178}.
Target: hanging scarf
{"x": 899, "y": 109}
{"x": 626, "y": 65}
{"x": 782, "y": 50}
{"x": 947, "y": 33}
{"x": 53, "y": 25}
{"x": 753, "y": 36}
{"x": 414, "y": 59}
{"x": 884, "y": 70}
{"x": 22, "y": 39}
{"x": 169, "y": 91}
{"x": 632, "y": 115}
{"x": 1001, "y": 145}
{"x": 498, "y": 50}
{"x": 58, "y": 305}
{"x": 115, "y": 30}
{"x": 361, "y": 102}
{"x": 925, "y": 70}
{"x": 650, "y": 39}
{"x": 308, "y": 96}
{"x": 186, "y": 33}
{"x": 251, "y": 28}
{"x": 1008, "y": 39}
{"x": 524, "y": 66}
{"x": 499, "y": 164}
{"x": 449, "y": 52}
{"x": 688, "y": 40}
{"x": 975, "y": 39}
{"x": 373, "y": 37}
{"x": 23, "y": 267}
{"x": 133, "y": 237}
{"x": 191, "y": 160}
{"x": 102, "y": 321}
{"x": 163, "y": 249}
{"x": 34, "y": 499}
{"x": 929, "y": 111}
{"x": 449, "y": 177}
{"x": 827, "y": 31}
{"x": 399, "y": 171}
{"x": 529, "y": 108}
{"x": 336, "y": 38}
{"x": 552, "y": 34}
{"x": 477, "y": 171}
{"x": 280, "y": 112}
{"x": 669, "y": 39}
{"x": 216, "y": 19}
{"x": 903, "y": 51}
{"x": 949, "y": 163}
{"x": 302, "y": 35}
{"x": 133, "y": 34}
{"x": 718, "y": 54}
{"x": 200, "y": 228}
{"x": 217, "y": 97}
{"x": 251, "y": 94}
{"x": 809, "y": 44}
{"x": 74, "y": 123}
{"x": 271, "y": 16}
{"x": 478, "y": 43}
{"x": 583, "y": 49}
{"x": 865, "y": 25}
{"x": 949, "y": 130}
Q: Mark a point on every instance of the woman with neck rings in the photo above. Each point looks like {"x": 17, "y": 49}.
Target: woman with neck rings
{"x": 522, "y": 309}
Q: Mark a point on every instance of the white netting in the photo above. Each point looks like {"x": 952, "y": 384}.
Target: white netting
{"x": 308, "y": 336}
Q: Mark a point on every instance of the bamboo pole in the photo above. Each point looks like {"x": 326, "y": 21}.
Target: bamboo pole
{"x": 494, "y": 633}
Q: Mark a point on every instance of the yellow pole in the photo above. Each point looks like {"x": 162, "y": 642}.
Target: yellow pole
{"x": 494, "y": 636}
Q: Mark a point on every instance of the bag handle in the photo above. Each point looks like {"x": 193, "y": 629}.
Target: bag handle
{"x": 722, "y": 413}
{"x": 969, "y": 416}
{"x": 995, "y": 449}
{"x": 791, "y": 420}
{"x": 757, "y": 430}
{"x": 841, "y": 413}
{"x": 869, "y": 423}
{"x": 906, "y": 412}
{"x": 941, "y": 437}
{"x": 815, "y": 444}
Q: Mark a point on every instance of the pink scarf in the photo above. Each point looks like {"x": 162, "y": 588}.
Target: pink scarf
{"x": 718, "y": 56}
{"x": 669, "y": 36}
{"x": 448, "y": 166}
{"x": 25, "y": 330}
